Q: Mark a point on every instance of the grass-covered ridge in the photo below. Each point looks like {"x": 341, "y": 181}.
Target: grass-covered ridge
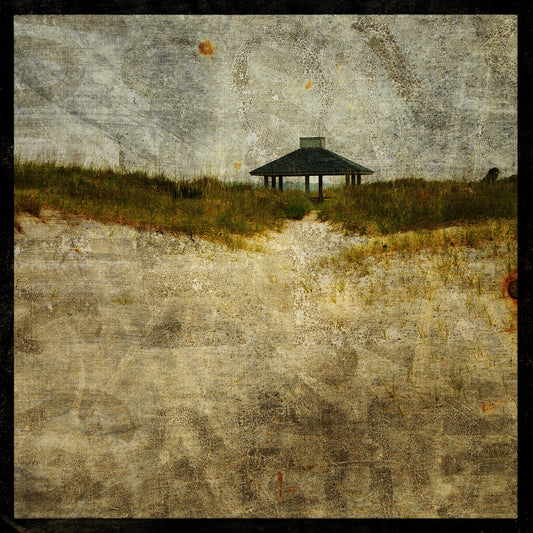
{"x": 498, "y": 233}
{"x": 409, "y": 216}
{"x": 204, "y": 207}
{"x": 415, "y": 204}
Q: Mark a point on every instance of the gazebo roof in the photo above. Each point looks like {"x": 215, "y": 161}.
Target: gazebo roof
{"x": 311, "y": 161}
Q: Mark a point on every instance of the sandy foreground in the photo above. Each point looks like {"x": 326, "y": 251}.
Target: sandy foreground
{"x": 160, "y": 376}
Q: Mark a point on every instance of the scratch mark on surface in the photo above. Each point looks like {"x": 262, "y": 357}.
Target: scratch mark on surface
{"x": 499, "y": 45}
{"x": 380, "y": 39}
{"x": 280, "y": 481}
{"x": 307, "y": 61}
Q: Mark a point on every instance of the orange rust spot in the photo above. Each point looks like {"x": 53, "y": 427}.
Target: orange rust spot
{"x": 275, "y": 419}
{"x": 309, "y": 84}
{"x": 506, "y": 282}
{"x": 227, "y": 463}
{"x": 206, "y": 48}
{"x": 237, "y": 165}
{"x": 512, "y": 328}
{"x": 280, "y": 481}
{"x": 290, "y": 489}
{"x": 489, "y": 406}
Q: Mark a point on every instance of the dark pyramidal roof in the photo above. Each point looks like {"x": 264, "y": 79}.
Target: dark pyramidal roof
{"x": 312, "y": 160}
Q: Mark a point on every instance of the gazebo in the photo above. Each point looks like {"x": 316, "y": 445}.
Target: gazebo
{"x": 312, "y": 159}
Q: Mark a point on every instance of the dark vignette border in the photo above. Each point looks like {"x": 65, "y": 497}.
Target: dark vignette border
{"x": 525, "y": 234}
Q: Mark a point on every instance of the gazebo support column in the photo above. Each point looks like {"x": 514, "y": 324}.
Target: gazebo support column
{"x": 281, "y": 183}
{"x": 307, "y": 185}
{"x": 266, "y": 181}
{"x": 320, "y": 192}
{"x": 358, "y": 179}
{"x": 273, "y": 182}
{"x": 347, "y": 180}
{"x": 353, "y": 180}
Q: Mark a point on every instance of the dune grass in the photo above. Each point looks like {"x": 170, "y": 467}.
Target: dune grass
{"x": 412, "y": 215}
{"x": 498, "y": 233}
{"x": 415, "y": 204}
{"x": 204, "y": 207}
{"x": 402, "y": 215}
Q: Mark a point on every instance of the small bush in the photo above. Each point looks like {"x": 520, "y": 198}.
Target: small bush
{"x": 492, "y": 174}
{"x": 294, "y": 204}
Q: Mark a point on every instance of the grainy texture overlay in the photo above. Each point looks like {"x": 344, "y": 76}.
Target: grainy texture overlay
{"x": 163, "y": 376}
{"x": 431, "y": 96}
{"x": 157, "y": 376}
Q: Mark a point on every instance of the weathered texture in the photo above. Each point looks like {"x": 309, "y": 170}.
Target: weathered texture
{"x": 226, "y": 94}
{"x": 163, "y": 377}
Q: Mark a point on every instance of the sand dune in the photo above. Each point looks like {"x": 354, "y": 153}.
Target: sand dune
{"x": 160, "y": 376}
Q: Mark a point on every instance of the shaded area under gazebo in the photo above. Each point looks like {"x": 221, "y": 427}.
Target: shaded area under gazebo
{"x": 311, "y": 159}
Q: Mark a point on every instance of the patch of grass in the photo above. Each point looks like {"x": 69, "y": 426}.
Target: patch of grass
{"x": 457, "y": 382}
{"x": 294, "y": 204}
{"x": 204, "y": 207}
{"x": 422, "y": 328}
{"x": 27, "y": 201}
{"x": 415, "y": 204}
{"x": 446, "y": 242}
{"x": 122, "y": 300}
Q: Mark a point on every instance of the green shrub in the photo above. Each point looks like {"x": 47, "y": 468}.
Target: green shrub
{"x": 294, "y": 204}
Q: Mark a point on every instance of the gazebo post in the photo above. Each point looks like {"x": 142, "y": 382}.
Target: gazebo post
{"x": 266, "y": 181}
{"x": 281, "y": 183}
{"x": 320, "y": 193}
{"x": 273, "y": 182}
{"x": 353, "y": 180}
{"x": 307, "y": 185}
{"x": 358, "y": 179}
{"x": 347, "y": 180}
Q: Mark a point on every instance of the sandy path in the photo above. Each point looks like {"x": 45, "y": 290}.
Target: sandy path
{"x": 161, "y": 376}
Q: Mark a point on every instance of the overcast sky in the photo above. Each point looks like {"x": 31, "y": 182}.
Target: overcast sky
{"x": 429, "y": 96}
